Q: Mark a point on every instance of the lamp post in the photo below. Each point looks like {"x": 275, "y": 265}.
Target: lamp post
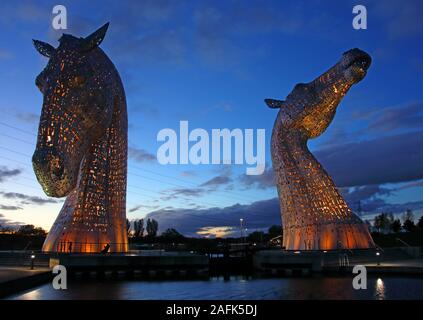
{"x": 240, "y": 224}
{"x": 32, "y": 261}
{"x": 378, "y": 258}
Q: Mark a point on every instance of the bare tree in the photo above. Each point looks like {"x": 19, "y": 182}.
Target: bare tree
{"x": 139, "y": 228}
{"x": 152, "y": 227}
{"x": 128, "y": 227}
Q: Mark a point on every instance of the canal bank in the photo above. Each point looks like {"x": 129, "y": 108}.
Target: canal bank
{"x": 16, "y": 279}
{"x": 187, "y": 266}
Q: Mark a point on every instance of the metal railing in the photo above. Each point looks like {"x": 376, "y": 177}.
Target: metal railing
{"x": 403, "y": 242}
{"x": 91, "y": 247}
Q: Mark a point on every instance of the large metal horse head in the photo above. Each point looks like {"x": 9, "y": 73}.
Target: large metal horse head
{"x": 81, "y": 148}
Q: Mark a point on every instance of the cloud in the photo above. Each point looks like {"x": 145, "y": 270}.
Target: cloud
{"x": 374, "y": 199}
{"x": 188, "y": 173}
{"x": 216, "y": 232}
{"x": 7, "y": 223}
{"x": 378, "y": 205}
{"x": 263, "y": 181}
{"x": 142, "y": 206}
{"x": 216, "y": 181}
{"x": 412, "y": 184}
{"x": 366, "y": 198}
{"x": 6, "y": 173}
{"x": 26, "y": 199}
{"x": 385, "y": 160}
{"x": 28, "y": 117}
{"x": 390, "y": 159}
{"x": 355, "y": 194}
{"x": 388, "y": 119}
{"x": 260, "y": 215}
{"x": 5, "y": 207}
{"x": 190, "y": 221}
{"x": 140, "y": 155}
{"x": 185, "y": 192}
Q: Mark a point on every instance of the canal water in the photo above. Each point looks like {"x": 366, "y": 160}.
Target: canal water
{"x": 235, "y": 287}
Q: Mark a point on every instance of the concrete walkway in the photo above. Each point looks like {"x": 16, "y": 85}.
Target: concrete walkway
{"x": 414, "y": 263}
{"x": 410, "y": 266}
{"x": 12, "y": 273}
{"x": 405, "y": 267}
{"x": 15, "y": 279}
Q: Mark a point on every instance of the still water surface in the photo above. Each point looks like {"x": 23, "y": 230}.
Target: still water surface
{"x": 316, "y": 287}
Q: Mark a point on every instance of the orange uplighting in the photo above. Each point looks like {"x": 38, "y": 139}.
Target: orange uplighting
{"x": 81, "y": 148}
{"x": 314, "y": 214}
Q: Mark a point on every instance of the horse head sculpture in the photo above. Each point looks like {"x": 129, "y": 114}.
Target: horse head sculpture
{"x": 81, "y": 148}
{"x": 314, "y": 214}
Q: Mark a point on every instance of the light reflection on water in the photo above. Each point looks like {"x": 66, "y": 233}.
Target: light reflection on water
{"x": 317, "y": 287}
{"x": 380, "y": 289}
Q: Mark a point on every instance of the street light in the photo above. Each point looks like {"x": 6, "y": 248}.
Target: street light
{"x": 378, "y": 258}
{"x": 32, "y": 261}
{"x": 240, "y": 225}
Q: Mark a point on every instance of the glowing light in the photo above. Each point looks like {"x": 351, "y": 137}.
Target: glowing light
{"x": 380, "y": 289}
{"x": 217, "y": 232}
{"x": 83, "y": 120}
{"x": 314, "y": 214}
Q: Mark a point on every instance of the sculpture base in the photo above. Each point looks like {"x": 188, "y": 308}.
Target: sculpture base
{"x": 331, "y": 236}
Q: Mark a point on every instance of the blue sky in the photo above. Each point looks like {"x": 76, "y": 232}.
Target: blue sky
{"x": 212, "y": 63}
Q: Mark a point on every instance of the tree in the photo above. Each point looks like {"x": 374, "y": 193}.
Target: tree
{"x": 152, "y": 227}
{"x": 139, "y": 228}
{"x": 30, "y": 230}
{"x": 409, "y": 226}
{"x": 420, "y": 223}
{"x": 408, "y": 221}
{"x": 256, "y": 236}
{"x": 275, "y": 231}
{"x": 408, "y": 215}
{"x": 128, "y": 227}
{"x": 383, "y": 221}
{"x": 172, "y": 234}
{"x": 396, "y": 226}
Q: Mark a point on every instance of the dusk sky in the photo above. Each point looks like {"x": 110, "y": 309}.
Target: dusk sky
{"x": 213, "y": 63}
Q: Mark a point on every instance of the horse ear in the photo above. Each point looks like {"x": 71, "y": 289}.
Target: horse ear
{"x": 94, "y": 39}
{"x": 44, "y": 48}
{"x": 272, "y": 103}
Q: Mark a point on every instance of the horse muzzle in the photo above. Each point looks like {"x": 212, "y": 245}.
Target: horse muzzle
{"x": 52, "y": 173}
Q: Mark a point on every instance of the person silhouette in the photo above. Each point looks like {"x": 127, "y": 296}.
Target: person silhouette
{"x": 106, "y": 248}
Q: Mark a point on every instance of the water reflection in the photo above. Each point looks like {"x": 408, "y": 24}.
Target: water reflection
{"x": 223, "y": 288}
{"x": 34, "y": 295}
{"x": 380, "y": 289}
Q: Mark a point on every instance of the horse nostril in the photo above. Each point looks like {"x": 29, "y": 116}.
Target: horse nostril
{"x": 38, "y": 161}
{"x": 57, "y": 168}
